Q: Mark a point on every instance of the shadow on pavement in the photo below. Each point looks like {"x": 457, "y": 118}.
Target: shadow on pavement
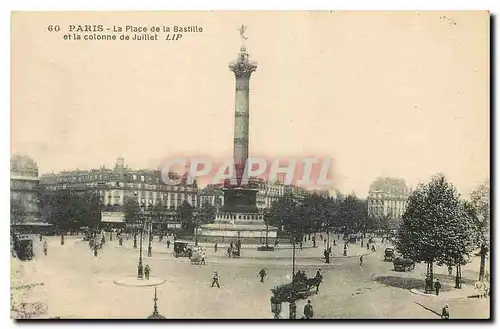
{"x": 428, "y": 309}
{"x": 409, "y": 283}
{"x": 400, "y": 282}
{"x": 451, "y": 279}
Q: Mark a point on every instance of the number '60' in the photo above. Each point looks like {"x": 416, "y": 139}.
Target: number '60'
{"x": 54, "y": 28}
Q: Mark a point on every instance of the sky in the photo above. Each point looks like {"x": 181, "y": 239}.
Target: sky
{"x": 399, "y": 94}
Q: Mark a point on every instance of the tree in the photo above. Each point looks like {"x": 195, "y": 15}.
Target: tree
{"x": 17, "y": 211}
{"x": 21, "y": 307}
{"x": 480, "y": 199}
{"x": 185, "y": 213}
{"x": 69, "y": 209}
{"x": 131, "y": 209}
{"x": 461, "y": 240}
{"x": 428, "y": 223}
{"x": 283, "y": 214}
{"x": 207, "y": 213}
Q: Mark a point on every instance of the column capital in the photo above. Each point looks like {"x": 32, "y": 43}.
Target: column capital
{"x": 243, "y": 69}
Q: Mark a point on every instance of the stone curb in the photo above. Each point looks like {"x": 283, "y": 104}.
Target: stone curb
{"x": 134, "y": 282}
{"x": 442, "y": 296}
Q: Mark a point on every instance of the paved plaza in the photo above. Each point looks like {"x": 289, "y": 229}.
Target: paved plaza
{"x": 77, "y": 284}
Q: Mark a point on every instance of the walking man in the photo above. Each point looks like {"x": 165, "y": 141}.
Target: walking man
{"x": 168, "y": 243}
{"x": 308, "y": 310}
{"x": 361, "y": 260}
{"x": 215, "y": 280}
{"x": 319, "y": 279}
{"x": 450, "y": 270}
{"x": 203, "y": 256}
{"x": 215, "y": 247}
{"x": 147, "y": 272}
{"x": 45, "y": 248}
{"x": 437, "y": 286}
{"x": 262, "y": 274}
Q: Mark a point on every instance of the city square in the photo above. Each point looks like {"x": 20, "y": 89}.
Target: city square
{"x": 79, "y": 285}
{"x": 394, "y": 224}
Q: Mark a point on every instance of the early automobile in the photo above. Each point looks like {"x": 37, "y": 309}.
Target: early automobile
{"x": 389, "y": 255}
{"x": 403, "y": 265}
{"x": 183, "y": 248}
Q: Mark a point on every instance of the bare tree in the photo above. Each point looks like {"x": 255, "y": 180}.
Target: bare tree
{"x": 20, "y": 306}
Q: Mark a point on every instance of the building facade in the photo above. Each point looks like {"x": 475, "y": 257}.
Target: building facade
{"x": 387, "y": 197}
{"x": 115, "y": 185}
{"x": 24, "y": 186}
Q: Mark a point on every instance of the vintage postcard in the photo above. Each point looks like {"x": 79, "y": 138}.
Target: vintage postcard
{"x": 250, "y": 165}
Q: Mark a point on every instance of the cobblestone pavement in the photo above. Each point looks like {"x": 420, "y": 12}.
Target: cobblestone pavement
{"x": 77, "y": 284}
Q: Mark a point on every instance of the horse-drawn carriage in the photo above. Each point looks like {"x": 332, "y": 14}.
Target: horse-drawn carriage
{"x": 299, "y": 289}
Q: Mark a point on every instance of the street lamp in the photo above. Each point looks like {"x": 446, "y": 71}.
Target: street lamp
{"x": 150, "y": 235}
{"x": 140, "y": 270}
{"x": 155, "y": 315}
{"x": 275, "y": 307}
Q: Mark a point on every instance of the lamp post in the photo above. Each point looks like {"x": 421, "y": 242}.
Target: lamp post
{"x": 150, "y": 253}
{"x": 275, "y": 307}
{"x": 293, "y": 257}
{"x": 150, "y": 230}
{"x": 140, "y": 270}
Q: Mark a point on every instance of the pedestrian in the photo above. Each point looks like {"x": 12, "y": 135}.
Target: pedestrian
{"x": 262, "y": 274}
{"x": 276, "y": 242}
{"x": 361, "y": 242}
{"x": 147, "y": 272}
{"x": 321, "y": 236}
{"x": 203, "y": 256}
{"x": 437, "y": 286}
{"x": 450, "y": 270}
{"x": 373, "y": 248}
{"x": 215, "y": 280}
{"x": 367, "y": 246}
{"x": 215, "y": 247}
{"x": 345, "y": 250}
{"x": 324, "y": 241}
{"x": 300, "y": 244}
{"x": 40, "y": 236}
{"x": 334, "y": 242}
{"x": 95, "y": 250}
{"x": 308, "y": 310}
{"x": 319, "y": 279}
{"x": 445, "y": 314}
{"x": 229, "y": 252}
{"x": 45, "y": 248}
{"x": 361, "y": 260}
{"x": 168, "y": 243}
{"x": 231, "y": 245}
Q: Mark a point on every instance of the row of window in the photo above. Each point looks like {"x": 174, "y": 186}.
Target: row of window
{"x": 245, "y": 217}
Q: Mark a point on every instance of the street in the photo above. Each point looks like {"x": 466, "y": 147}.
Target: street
{"x": 77, "y": 284}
